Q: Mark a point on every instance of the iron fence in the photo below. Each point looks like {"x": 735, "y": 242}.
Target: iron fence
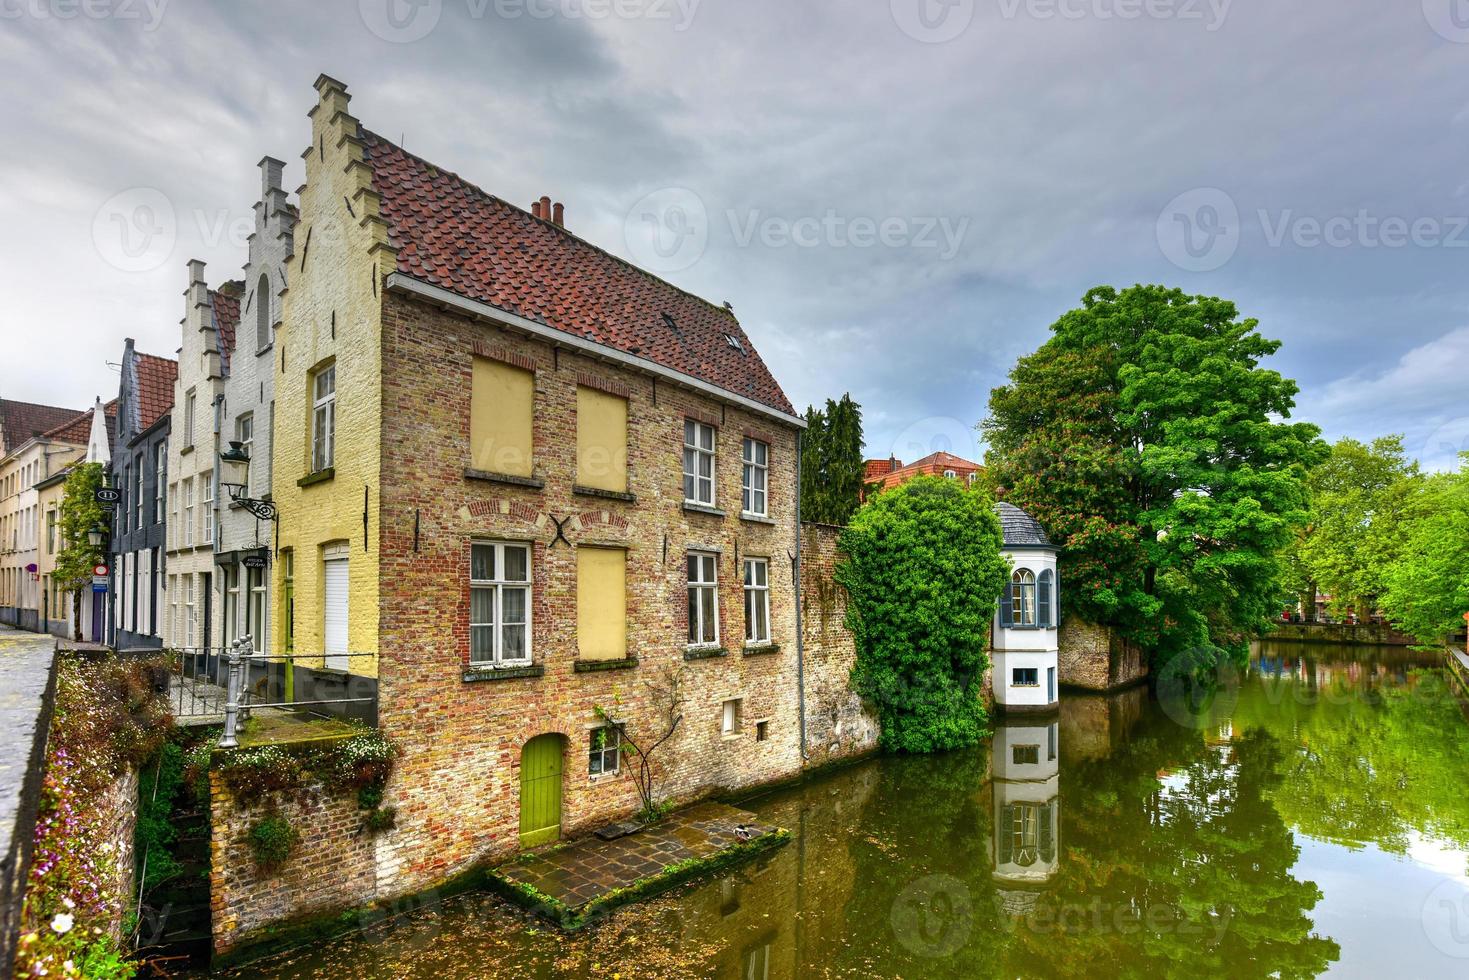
{"x": 223, "y": 685}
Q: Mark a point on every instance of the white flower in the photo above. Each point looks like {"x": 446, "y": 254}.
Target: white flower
{"x": 66, "y": 900}
{"x": 62, "y": 923}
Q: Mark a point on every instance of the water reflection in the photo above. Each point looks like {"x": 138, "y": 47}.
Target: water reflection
{"x": 1313, "y": 822}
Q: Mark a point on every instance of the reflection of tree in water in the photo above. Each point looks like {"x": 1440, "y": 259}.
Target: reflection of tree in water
{"x": 1372, "y": 759}
{"x": 1175, "y": 864}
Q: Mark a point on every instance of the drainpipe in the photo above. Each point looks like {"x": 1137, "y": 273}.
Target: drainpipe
{"x": 800, "y": 637}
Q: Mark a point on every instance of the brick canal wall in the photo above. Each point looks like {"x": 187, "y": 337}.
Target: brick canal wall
{"x": 334, "y": 866}
{"x": 1097, "y": 659}
{"x": 1344, "y": 634}
{"x": 118, "y": 809}
{"x": 838, "y": 724}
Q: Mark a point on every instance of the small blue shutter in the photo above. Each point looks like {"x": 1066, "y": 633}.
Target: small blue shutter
{"x": 1043, "y": 600}
{"x": 1006, "y": 617}
{"x": 1057, "y": 604}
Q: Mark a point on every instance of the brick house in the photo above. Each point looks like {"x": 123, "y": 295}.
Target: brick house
{"x": 139, "y": 469}
{"x": 210, "y": 319}
{"x": 533, "y": 481}
{"x": 883, "y": 474}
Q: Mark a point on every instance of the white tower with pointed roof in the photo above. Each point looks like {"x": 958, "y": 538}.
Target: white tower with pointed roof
{"x": 1025, "y": 648}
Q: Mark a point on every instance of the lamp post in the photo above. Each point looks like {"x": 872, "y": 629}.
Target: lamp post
{"x": 234, "y": 476}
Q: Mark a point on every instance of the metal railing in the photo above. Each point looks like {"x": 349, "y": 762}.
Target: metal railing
{"x": 224, "y": 685}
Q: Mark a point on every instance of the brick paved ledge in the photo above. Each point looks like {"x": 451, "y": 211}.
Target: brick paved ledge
{"x": 27, "y": 696}
{"x": 580, "y": 882}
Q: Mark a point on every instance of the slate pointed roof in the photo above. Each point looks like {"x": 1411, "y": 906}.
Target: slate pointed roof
{"x": 454, "y": 235}
{"x": 1020, "y": 529}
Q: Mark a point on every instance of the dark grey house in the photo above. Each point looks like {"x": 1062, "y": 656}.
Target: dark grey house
{"x": 139, "y": 521}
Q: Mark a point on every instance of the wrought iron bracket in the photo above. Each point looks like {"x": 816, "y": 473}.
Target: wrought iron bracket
{"x": 262, "y": 509}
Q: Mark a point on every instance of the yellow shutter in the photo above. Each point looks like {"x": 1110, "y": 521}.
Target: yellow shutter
{"x": 601, "y": 440}
{"x": 501, "y": 405}
{"x": 601, "y": 603}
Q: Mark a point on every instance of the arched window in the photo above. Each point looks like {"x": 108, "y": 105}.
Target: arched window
{"x": 1022, "y": 598}
{"x": 950, "y": 474}
{"x": 262, "y": 313}
{"x": 1045, "y": 599}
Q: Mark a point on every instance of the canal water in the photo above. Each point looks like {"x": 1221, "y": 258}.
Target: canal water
{"x": 1310, "y": 817}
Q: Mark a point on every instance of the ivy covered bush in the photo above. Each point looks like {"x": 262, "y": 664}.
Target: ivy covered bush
{"x": 272, "y": 840}
{"x": 923, "y": 574}
{"x": 107, "y": 719}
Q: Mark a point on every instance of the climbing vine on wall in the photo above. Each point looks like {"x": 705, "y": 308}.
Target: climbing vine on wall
{"x": 923, "y": 573}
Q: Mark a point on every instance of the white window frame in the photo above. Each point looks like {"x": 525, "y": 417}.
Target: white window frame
{"x": 1023, "y": 585}
{"x": 206, "y": 507}
{"x": 232, "y": 616}
{"x": 757, "y": 597}
{"x": 188, "y": 492}
{"x": 499, "y": 584}
{"x": 1014, "y": 682}
{"x": 255, "y": 608}
{"x": 189, "y": 419}
{"x": 695, "y": 485}
{"x": 191, "y": 612}
{"x": 245, "y": 436}
{"x": 323, "y": 419}
{"x": 160, "y": 463}
{"x": 703, "y": 561}
{"x": 173, "y": 605}
{"x": 729, "y": 717}
{"x": 597, "y": 755}
{"x": 755, "y": 468}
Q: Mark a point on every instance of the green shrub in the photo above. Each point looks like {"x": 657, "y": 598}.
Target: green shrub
{"x": 272, "y": 840}
{"x": 380, "y": 819}
{"x": 923, "y": 574}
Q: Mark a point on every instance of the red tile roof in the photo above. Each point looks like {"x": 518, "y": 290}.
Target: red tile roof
{"x": 156, "y": 376}
{"x": 76, "y": 431}
{"x": 22, "y": 421}
{"x": 934, "y": 464}
{"x": 226, "y": 306}
{"x": 452, "y": 234}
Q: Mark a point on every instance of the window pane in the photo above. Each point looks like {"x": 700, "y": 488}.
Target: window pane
{"x": 749, "y": 573}
{"x": 693, "y": 615}
{"x": 481, "y": 639}
{"x": 706, "y": 602}
{"x": 688, "y": 434}
{"x": 706, "y": 466}
{"x": 516, "y": 565}
{"x": 760, "y": 452}
{"x": 482, "y": 562}
{"x": 749, "y": 615}
{"x": 762, "y": 625}
{"x": 693, "y": 561}
{"x": 512, "y": 643}
{"x": 512, "y": 605}
{"x": 706, "y": 437}
{"x": 481, "y": 607}
{"x": 708, "y": 562}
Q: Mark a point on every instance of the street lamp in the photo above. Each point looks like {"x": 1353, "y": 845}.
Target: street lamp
{"x": 234, "y": 476}
{"x": 97, "y": 536}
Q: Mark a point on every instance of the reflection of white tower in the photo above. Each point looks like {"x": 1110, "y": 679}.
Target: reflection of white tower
{"x": 1024, "y": 652}
{"x": 1026, "y": 843}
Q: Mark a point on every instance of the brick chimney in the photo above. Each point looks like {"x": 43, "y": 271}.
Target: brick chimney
{"x": 546, "y": 211}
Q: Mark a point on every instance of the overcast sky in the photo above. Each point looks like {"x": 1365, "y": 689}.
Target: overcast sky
{"x": 897, "y": 196}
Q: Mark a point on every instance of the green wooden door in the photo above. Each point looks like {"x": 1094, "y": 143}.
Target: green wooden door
{"x": 540, "y": 790}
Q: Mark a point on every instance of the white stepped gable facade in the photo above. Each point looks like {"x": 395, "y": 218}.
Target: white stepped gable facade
{"x": 1024, "y": 653}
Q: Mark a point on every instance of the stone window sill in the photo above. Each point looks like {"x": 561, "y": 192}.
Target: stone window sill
{"x": 580, "y": 490}
{"x": 593, "y": 666}
{"x": 704, "y": 653}
{"x": 185, "y": 450}
{"x": 757, "y": 518}
{"x": 530, "y": 482}
{"x": 689, "y": 508}
{"x": 320, "y": 476}
{"x": 474, "y": 674}
{"x": 762, "y": 649}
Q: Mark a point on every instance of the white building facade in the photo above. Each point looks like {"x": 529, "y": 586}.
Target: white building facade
{"x": 1024, "y": 651}
{"x": 1026, "y": 788}
{"x": 247, "y": 416}
{"x": 209, "y": 315}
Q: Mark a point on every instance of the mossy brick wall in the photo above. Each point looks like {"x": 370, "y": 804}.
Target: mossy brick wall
{"x": 332, "y": 869}
{"x": 457, "y": 784}
{"x": 838, "y": 724}
{"x": 118, "y": 808}
{"x": 1095, "y": 658}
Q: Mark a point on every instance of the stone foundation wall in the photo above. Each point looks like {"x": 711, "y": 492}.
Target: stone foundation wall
{"x": 1095, "y": 658}
{"x": 118, "y": 809}
{"x": 838, "y": 724}
{"x": 1366, "y": 634}
{"x": 333, "y": 868}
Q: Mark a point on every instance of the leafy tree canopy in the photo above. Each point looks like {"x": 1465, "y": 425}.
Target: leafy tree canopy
{"x": 831, "y": 462}
{"x": 1360, "y": 497}
{"x": 80, "y": 513}
{"x": 1148, "y": 440}
{"x": 1426, "y": 589}
{"x": 923, "y": 573}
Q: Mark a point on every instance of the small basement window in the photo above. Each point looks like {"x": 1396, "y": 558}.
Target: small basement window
{"x": 1025, "y": 677}
{"x": 730, "y": 720}
{"x": 1025, "y": 755}
{"x": 762, "y": 730}
{"x": 606, "y": 745}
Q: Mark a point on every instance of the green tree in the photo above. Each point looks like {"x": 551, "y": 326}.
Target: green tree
{"x": 1426, "y": 590}
{"x": 923, "y": 573}
{"x": 80, "y": 513}
{"x": 1361, "y": 496}
{"x": 1145, "y": 437}
{"x": 831, "y": 462}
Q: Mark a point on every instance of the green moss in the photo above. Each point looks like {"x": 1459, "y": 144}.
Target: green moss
{"x": 272, "y": 840}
